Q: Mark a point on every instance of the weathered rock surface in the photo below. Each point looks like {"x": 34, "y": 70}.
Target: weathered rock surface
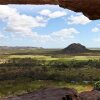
{"x": 57, "y": 94}
{"x": 90, "y": 95}
{"x": 90, "y": 8}
{"x": 48, "y": 94}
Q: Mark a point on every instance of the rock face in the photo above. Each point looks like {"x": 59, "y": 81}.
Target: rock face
{"x": 57, "y": 94}
{"x": 89, "y": 8}
{"x": 75, "y": 48}
{"x": 48, "y": 94}
{"x": 90, "y": 95}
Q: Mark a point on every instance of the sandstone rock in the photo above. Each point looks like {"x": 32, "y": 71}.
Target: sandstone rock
{"x": 89, "y": 8}
{"x": 48, "y": 94}
{"x": 90, "y": 95}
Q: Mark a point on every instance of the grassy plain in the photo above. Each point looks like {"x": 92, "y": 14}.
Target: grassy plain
{"x": 11, "y": 88}
{"x": 15, "y": 80}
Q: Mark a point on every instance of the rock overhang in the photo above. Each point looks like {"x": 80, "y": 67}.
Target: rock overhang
{"x": 89, "y": 8}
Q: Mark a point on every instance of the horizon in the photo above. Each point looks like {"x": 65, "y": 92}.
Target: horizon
{"x": 46, "y": 26}
{"x": 47, "y": 48}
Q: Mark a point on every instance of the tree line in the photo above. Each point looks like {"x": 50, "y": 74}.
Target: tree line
{"x": 58, "y": 70}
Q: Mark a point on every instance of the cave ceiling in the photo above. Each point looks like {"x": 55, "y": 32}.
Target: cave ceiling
{"x": 90, "y": 8}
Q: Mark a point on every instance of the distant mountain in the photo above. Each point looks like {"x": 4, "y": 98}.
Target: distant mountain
{"x": 18, "y": 48}
{"x": 75, "y": 48}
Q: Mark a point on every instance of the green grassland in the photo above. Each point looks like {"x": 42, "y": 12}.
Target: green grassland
{"x": 23, "y": 71}
{"x": 56, "y": 58}
{"x": 11, "y": 88}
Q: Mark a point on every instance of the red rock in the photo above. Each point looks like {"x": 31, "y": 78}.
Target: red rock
{"x": 48, "y": 94}
{"x": 90, "y": 8}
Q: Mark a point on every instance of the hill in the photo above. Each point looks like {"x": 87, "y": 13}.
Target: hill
{"x": 75, "y": 48}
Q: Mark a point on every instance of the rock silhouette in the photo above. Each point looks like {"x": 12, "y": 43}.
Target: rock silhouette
{"x": 75, "y": 48}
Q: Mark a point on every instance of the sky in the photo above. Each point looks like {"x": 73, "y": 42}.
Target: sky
{"x": 47, "y": 26}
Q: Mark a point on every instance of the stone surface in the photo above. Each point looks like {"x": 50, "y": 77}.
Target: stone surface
{"x": 90, "y": 95}
{"x": 57, "y": 94}
{"x": 48, "y": 94}
{"x": 90, "y": 8}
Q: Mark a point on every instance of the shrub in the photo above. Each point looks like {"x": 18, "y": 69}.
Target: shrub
{"x": 97, "y": 86}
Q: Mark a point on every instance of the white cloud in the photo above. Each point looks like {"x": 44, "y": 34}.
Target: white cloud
{"x": 50, "y": 14}
{"x": 79, "y": 19}
{"x": 20, "y": 23}
{"x": 45, "y": 12}
{"x": 95, "y": 29}
{"x": 61, "y": 35}
{"x": 65, "y": 33}
{"x": 1, "y": 35}
{"x": 22, "y": 26}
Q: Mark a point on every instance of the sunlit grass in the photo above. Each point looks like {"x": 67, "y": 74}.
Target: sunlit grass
{"x": 11, "y": 88}
{"x": 42, "y": 57}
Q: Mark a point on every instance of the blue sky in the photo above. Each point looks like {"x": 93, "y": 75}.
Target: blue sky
{"x": 46, "y": 26}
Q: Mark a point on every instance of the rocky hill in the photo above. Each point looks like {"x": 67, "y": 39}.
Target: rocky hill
{"x": 75, "y": 48}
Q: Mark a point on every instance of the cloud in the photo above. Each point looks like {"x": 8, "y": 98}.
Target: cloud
{"x": 78, "y": 19}
{"x": 61, "y": 35}
{"x": 50, "y": 14}
{"x": 20, "y": 23}
{"x": 1, "y": 35}
{"x": 64, "y": 34}
{"x": 24, "y": 24}
{"x": 59, "y": 38}
{"x": 95, "y": 29}
{"x": 21, "y": 26}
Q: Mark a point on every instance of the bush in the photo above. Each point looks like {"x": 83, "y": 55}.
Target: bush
{"x": 97, "y": 86}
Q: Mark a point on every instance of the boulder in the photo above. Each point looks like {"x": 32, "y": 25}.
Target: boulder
{"x": 48, "y": 94}
{"x": 90, "y": 95}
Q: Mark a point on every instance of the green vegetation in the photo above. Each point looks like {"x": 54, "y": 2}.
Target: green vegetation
{"x": 40, "y": 69}
{"x": 11, "y": 88}
{"x": 58, "y": 70}
{"x": 97, "y": 85}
